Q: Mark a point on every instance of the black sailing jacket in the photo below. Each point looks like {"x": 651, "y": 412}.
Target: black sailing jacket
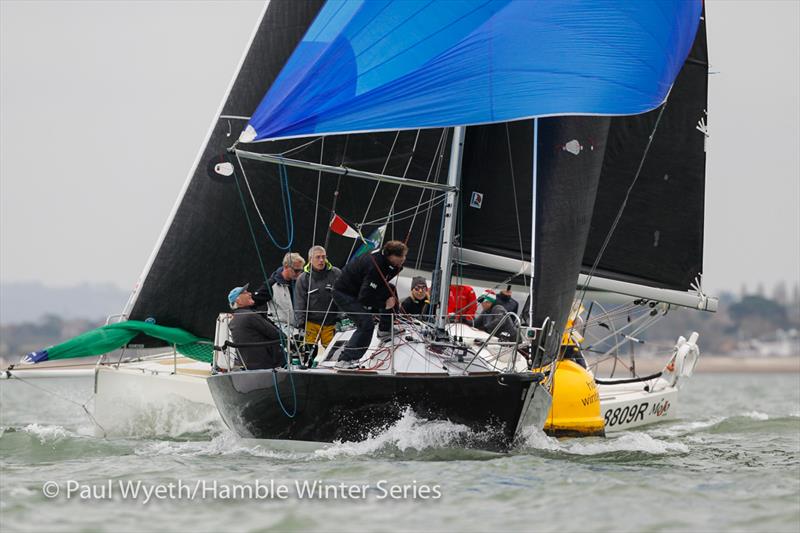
{"x": 362, "y": 280}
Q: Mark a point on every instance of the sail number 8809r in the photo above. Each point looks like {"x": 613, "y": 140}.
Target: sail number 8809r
{"x": 625, "y": 415}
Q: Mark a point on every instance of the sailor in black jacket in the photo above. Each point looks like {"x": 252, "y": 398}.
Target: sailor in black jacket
{"x": 363, "y": 289}
{"x": 418, "y": 301}
{"x": 249, "y": 325}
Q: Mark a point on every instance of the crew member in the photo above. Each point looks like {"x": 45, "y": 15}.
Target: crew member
{"x": 250, "y": 326}
{"x": 506, "y": 299}
{"x": 279, "y": 289}
{"x": 362, "y": 290}
{"x": 491, "y": 314}
{"x": 418, "y": 301}
{"x": 313, "y": 298}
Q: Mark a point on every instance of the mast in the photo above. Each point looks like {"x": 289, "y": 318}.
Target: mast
{"x": 448, "y": 226}
{"x": 533, "y": 214}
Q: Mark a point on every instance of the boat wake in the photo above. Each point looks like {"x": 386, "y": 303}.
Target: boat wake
{"x": 410, "y": 438}
{"x": 413, "y": 437}
{"x": 178, "y": 419}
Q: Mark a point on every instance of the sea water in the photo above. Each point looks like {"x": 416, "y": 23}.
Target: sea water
{"x": 731, "y": 462}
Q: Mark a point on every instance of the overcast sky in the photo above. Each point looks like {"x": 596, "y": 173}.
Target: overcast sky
{"x": 104, "y": 106}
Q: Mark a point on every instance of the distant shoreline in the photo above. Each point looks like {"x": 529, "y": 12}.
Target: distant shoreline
{"x": 717, "y": 364}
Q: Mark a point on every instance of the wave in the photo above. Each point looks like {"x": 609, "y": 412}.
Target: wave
{"x": 224, "y": 444}
{"x": 743, "y": 422}
{"x": 46, "y": 443}
{"x": 177, "y": 419}
{"x": 415, "y": 438}
{"x": 625, "y": 443}
{"x": 753, "y": 422}
{"x": 46, "y": 434}
{"x": 412, "y": 437}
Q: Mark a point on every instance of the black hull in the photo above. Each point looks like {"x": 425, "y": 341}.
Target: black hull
{"x": 334, "y": 406}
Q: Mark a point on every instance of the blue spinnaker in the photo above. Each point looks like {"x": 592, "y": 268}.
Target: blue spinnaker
{"x": 387, "y": 65}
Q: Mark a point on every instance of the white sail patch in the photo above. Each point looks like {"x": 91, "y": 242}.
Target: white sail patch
{"x": 574, "y": 147}
{"x": 248, "y": 134}
{"x": 224, "y": 169}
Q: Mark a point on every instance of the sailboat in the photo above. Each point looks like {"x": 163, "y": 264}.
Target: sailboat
{"x": 210, "y": 242}
{"x": 345, "y": 79}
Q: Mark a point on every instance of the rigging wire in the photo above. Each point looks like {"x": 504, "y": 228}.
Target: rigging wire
{"x": 405, "y": 173}
{"x": 336, "y": 192}
{"x": 252, "y": 232}
{"x": 57, "y": 395}
{"x": 516, "y": 205}
{"x": 286, "y": 199}
{"x": 432, "y": 204}
{"x": 319, "y": 184}
{"x": 284, "y": 339}
{"x": 624, "y": 204}
{"x": 374, "y": 194}
{"x": 442, "y": 137}
{"x": 302, "y": 147}
{"x": 313, "y": 243}
{"x": 436, "y": 163}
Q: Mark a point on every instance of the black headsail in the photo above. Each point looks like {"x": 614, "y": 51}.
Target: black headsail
{"x": 216, "y": 239}
{"x": 197, "y": 262}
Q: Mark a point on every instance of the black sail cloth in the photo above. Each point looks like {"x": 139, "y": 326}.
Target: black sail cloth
{"x": 570, "y": 156}
{"x": 214, "y": 242}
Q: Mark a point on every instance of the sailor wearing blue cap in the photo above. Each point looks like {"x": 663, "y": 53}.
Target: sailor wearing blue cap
{"x": 250, "y": 326}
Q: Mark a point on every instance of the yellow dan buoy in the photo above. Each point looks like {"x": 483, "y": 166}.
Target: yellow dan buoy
{"x": 575, "y": 411}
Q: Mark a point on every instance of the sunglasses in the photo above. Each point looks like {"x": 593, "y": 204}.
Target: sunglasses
{"x": 297, "y": 270}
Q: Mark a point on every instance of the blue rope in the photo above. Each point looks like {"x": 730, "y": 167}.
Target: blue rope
{"x": 288, "y": 220}
{"x": 264, "y": 273}
{"x": 291, "y": 380}
{"x": 252, "y": 233}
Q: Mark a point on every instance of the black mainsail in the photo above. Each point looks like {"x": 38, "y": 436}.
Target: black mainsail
{"x": 658, "y": 240}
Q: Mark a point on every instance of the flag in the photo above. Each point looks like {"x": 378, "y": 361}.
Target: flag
{"x": 35, "y": 357}
{"x": 373, "y": 242}
{"x": 339, "y": 226}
